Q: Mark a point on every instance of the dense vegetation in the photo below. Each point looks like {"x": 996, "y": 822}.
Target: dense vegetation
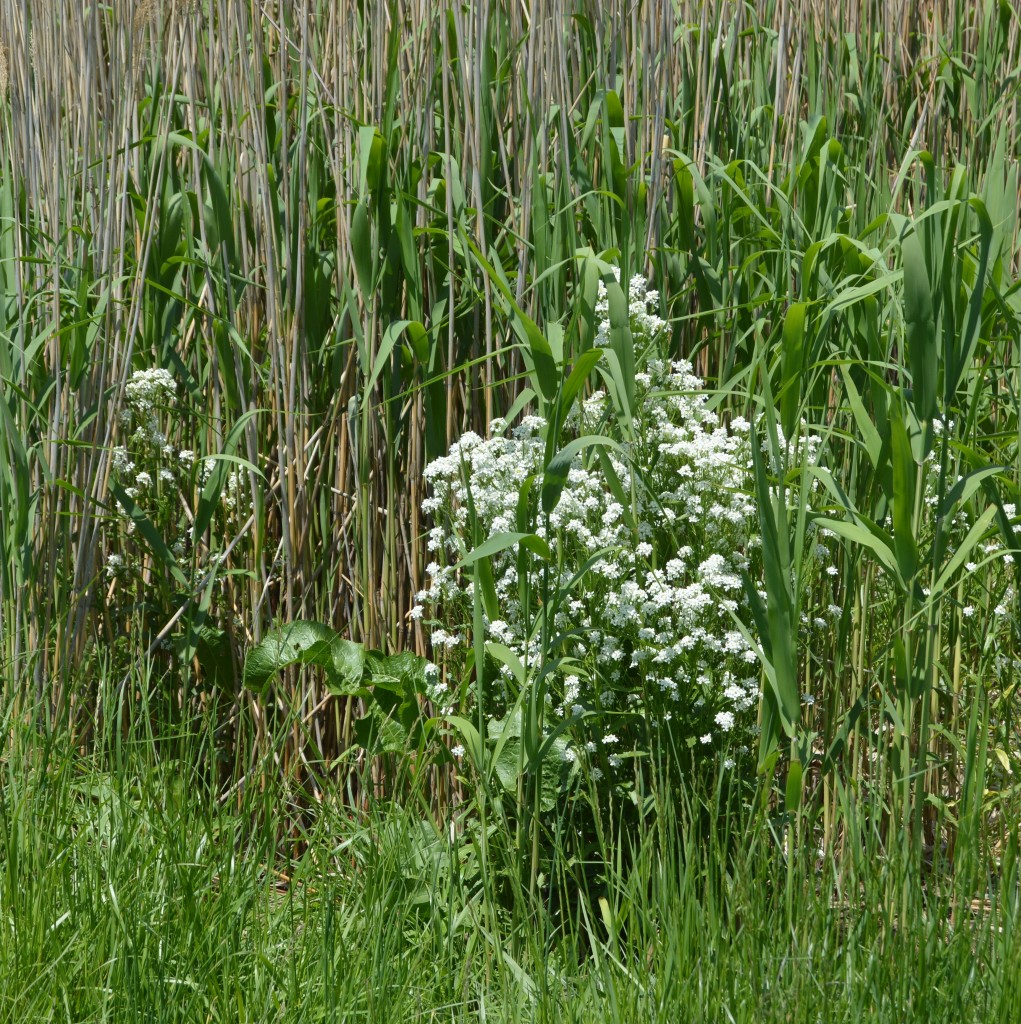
{"x": 510, "y": 511}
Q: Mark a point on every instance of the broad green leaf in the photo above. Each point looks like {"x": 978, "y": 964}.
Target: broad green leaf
{"x": 378, "y": 732}
{"x": 503, "y": 541}
{"x": 306, "y": 643}
{"x": 297, "y": 643}
{"x": 922, "y": 350}
{"x": 792, "y": 358}
{"x": 211, "y": 646}
{"x": 404, "y": 672}
{"x": 345, "y": 671}
{"x": 555, "y": 476}
{"x": 508, "y": 757}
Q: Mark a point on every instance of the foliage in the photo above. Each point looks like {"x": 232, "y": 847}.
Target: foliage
{"x": 326, "y": 244}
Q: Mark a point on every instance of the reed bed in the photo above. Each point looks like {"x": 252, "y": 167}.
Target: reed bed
{"x": 324, "y": 218}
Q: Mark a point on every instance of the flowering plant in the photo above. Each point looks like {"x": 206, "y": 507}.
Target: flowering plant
{"x": 148, "y": 471}
{"x": 630, "y": 626}
{"x": 164, "y": 498}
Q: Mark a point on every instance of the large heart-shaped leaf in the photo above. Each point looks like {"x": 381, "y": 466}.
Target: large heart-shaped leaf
{"x": 306, "y": 643}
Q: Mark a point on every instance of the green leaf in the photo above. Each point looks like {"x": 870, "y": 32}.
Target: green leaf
{"x": 417, "y": 335}
{"x": 903, "y": 498}
{"x": 306, "y": 643}
{"x": 16, "y": 470}
{"x": 783, "y": 691}
{"x": 370, "y": 158}
{"x": 962, "y": 491}
{"x": 508, "y": 757}
{"x": 622, "y": 345}
{"x": 211, "y": 646}
{"x": 209, "y": 499}
{"x": 303, "y": 643}
{"x": 544, "y": 368}
{"x": 868, "y": 535}
{"x": 378, "y": 732}
{"x": 144, "y": 525}
{"x": 503, "y": 541}
{"x": 793, "y": 788}
{"x": 869, "y": 434}
{"x": 792, "y": 358}
{"x": 403, "y": 672}
{"x": 922, "y": 350}
{"x": 346, "y": 669}
{"x": 506, "y": 656}
{"x": 555, "y": 477}
{"x": 361, "y": 248}
{"x": 506, "y": 764}
{"x": 964, "y": 549}
{"x": 470, "y": 736}
{"x": 576, "y": 380}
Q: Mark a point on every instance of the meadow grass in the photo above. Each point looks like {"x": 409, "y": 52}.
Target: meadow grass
{"x": 349, "y": 234}
{"x": 132, "y": 892}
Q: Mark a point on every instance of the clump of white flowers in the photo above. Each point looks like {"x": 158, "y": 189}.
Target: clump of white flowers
{"x": 645, "y": 322}
{"x": 647, "y": 566}
{"x": 152, "y": 472}
{"x": 147, "y": 393}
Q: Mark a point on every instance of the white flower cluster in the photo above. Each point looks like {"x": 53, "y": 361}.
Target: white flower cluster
{"x": 646, "y": 574}
{"x": 151, "y": 470}
{"x": 645, "y": 322}
{"x": 147, "y": 392}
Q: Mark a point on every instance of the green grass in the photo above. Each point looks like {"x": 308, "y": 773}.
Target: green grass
{"x": 133, "y": 893}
